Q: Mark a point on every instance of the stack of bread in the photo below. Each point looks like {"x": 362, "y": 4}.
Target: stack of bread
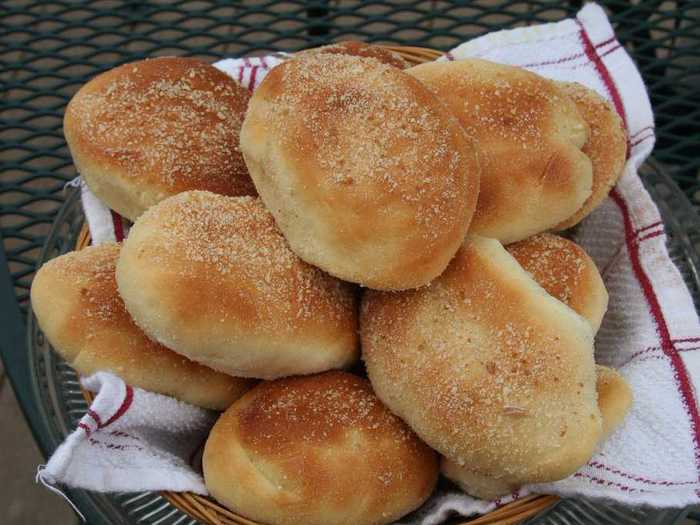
{"x": 351, "y": 209}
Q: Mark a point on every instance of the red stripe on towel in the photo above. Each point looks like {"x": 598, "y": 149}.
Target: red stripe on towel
{"x": 681, "y": 374}
{"x": 253, "y": 74}
{"x": 85, "y": 428}
{"x": 641, "y": 479}
{"x": 639, "y": 141}
{"x": 648, "y": 227}
{"x": 603, "y": 72}
{"x": 635, "y": 135}
{"x": 126, "y": 403}
{"x": 95, "y": 416}
{"x": 557, "y": 61}
{"x": 609, "y": 483}
{"x": 614, "y": 48}
{"x": 607, "y": 79}
{"x": 605, "y": 42}
{"x": 650, "y": 236}
{"x": 118, "y": 226}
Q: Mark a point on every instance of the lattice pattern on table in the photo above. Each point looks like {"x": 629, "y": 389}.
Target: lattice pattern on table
{"x": 49, "y": 49}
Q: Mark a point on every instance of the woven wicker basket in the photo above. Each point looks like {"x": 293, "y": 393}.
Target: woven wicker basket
{"x": 208, "y": 511}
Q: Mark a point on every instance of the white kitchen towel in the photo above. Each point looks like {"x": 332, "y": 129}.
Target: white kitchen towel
{"x": 651, "y": 331}
{"x": 131, "y": 440}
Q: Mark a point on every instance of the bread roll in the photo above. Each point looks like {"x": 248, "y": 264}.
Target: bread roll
{"x": 566, "y": 272}
{"x": 606, "y": 146}
{"x": 359, "y": 49}
{"x": 614, "y": 401}
{"x": 212, "y": 278}
{"x": 76, "y": 303}
{"x": 317, "y": 450}
{"x": 529, "y": 134}
{"x": 614, "y": 398}
{"x": 487, "y": 368}
{"x": 368, "y": 175}
{"x": 147, "y": 130}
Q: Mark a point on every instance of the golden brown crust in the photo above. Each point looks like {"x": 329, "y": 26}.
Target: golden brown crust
{"x": 614, "y": 401}
{"x": 566, "y": 272}
{"x": 367, "y": 174}
{"x": 359, "y": 49}
{"x": 606, "y": 146}
{"x": 614, "y": 398}
{"x": 318, "y": 449}
{"x": 150, "y": 129}
{"x": 212, "y": 278}
{"x": 529, "y": 135}
{"x": 76, "y": 303}
{"x": 487, "y": 368}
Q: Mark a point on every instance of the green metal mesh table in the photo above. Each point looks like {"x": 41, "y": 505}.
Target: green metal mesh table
{"x": 48, "y": 50}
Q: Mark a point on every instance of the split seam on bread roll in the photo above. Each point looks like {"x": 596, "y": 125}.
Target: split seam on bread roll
{"x": 487, "y": 368}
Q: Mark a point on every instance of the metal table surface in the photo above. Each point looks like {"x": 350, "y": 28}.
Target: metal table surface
{"x": 48, "y": 50}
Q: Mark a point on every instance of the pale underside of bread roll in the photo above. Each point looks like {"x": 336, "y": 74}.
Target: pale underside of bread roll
{"x": 367, "y": 174}
{"x": 147, "y": 130}
{"x": 76, "y": 303}
{"x": 566, "y": 272}
{"x": 212, "y": 278}
{"x": 487, "y": 368}
{"x": 614, "y": 401}
{"x": 317, "y": 450}
{"x": 606, "y": 146}
{"x": 475, "y": 484}
{"x": 360, "y": 49}
{"x": 529, "y": 134}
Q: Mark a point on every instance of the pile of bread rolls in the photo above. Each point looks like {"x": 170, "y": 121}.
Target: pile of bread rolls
{"x": 351, "y": 209}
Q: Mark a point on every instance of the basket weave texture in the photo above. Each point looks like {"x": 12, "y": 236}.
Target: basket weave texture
{"x": 208, "y": 511}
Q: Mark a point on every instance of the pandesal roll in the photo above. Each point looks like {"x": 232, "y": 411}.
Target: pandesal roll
{"x": 77, "y": 306}
{"x": 487, "y": 368}
{"x": 359, "y": 49}
{"x": 566, "y": 272}
{"x": 606, "y": 146}
{"x": 367, "y": 174}
{"x": 144, "y": 131}
{"x": 212, "y": 278}
{"x": 614, "y": 401}
{"x": 317, "y": 450}
{"x": 529, "y": 134}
